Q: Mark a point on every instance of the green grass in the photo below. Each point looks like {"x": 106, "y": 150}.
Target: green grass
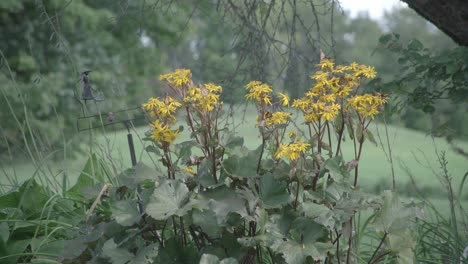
{"x": 411, "y": 149}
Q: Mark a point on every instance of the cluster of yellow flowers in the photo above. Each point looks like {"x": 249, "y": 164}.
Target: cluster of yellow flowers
{"x": 260, "y": 92}
{"x": 178, "y": 79}
{"x": 331, "y": 94}
{"x": 160, "y": 108}
{"x": 204, "y": 98}
{"x": 164, "y": 112}
{"x": 367, "y": 105}
{"x": 292, "y": 151}
{"x": 324, "y": 100}
{"x": 162, "y": 132}
{"x": 277, "y": 118}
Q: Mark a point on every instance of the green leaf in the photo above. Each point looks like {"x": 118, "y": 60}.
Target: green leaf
{"x": 125, "y": 212}
{"x": 29, "y": 197}
{"x": 429, "y": 109}
{"x": 223, "y": 201}
{"x": 244, "y": 166}
{"x": 138, "y": 174}
{"x": 384, "y": 39}
{"x": 451, "y": 68}
{"x": 415, "y": 44}
{"x": 184, "y": 149}
{"x": 209, "y": 259}
{"x": 174, "y": 253}
{"x": 207, "y": 220}
{"x": 146, "y": 254}
{"x": 92, "y": 173}
{"x": 298, "y": 253}
{"x": 403, "y": 244}
{"x": 320, "y": 213}
{"x": 273, "y": 193}
{"x": 204, "y": 174}
{"x": 212, "y": 259}
{"x": 73, "y": 249}
{"x": 334, "y": 167}
{"x": 115, "y": 254}
{"x": 153, "y": 149}
{"x": 4, "y": 232}
{"x": 253, "y": 241}
{"x": 170, "y": 198}
{"x": 369, "y": 136}
{"x": 393, "y": 216}
{"x": 231, "y": 141}
{"x": 16, "y": 247}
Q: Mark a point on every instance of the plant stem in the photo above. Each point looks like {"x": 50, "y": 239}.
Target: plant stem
{"x": 182, "y": 231}
{"x": 381, "y": 256}
{"x": 297, "y": 193}
{"x": 213, "y": 160}
{"x": 378, "y": 248}
{"x": 356, "y": 170}
{"x": 340, "y": 136}
{"x": 189, "y": 118}
{"x": 329, "y": 140}
{"x": 261, "y": 155}
{"x": 390, "y": 155}
{"x": 174, "y": 225}
{"x": 338, "y": 246}
{"x": 195, "y": 237}
{"x": 350, "y": 240}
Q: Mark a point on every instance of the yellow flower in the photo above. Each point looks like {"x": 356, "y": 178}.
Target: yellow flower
{"x": 177, "y": 79}
{"x": 168, "y": 107}
{"x": 326, "y": 64}
{"x": 302, "y": 104}
{"x": 189, "y": 170}
{"x": 151, "y": 104}
{"x": 163, "y": 109}
{"x": 278, "y": 118}
{"x": 367, "y": 105}
{"x": 260, "y": 92}
{"x": 369, "y": 72}
{"x": 344, "y": 85}
{"x": 252, "y": 85}
{"x": 213, "y": 88}
{"x": 284, "y": 99}
{"x": 328, "y": 98}
{"x": 292, "y": 134}
{"x": 330, "y": 111}
{"x": 320, "y": 75}
{"x": 205, "y": 97}
{"x": 162, "y": 132}
{"x": 311, "y": 117}
{"x": 291, "y": 151}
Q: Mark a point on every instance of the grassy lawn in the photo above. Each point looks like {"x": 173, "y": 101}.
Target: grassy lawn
{"x": 411, "y": 149}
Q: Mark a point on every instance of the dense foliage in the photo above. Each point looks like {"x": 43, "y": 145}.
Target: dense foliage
{"x": 292, "y": 200}
{"x": 432, "y": 82}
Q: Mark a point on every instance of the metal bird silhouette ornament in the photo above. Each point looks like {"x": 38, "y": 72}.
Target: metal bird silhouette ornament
{"x": 87, "y": 93}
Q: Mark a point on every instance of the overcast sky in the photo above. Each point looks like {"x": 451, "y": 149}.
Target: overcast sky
{"x": 375, "y": 8}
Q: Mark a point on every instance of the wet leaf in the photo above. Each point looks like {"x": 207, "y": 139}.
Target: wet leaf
{"x": 273, "y": 192}
{"x": 170, "y": 198}
{"x": 125, "y": 212}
